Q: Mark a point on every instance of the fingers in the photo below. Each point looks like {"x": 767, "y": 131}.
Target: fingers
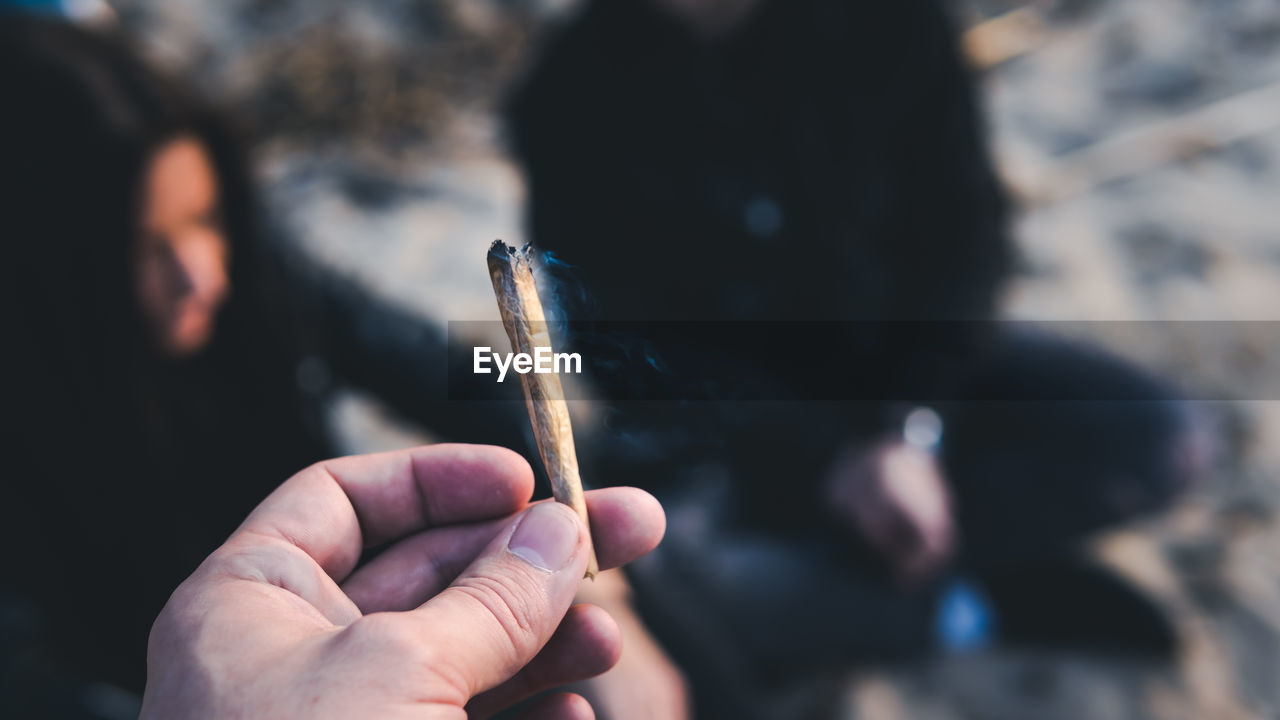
{"x": 625, "y": 523}
{"x": 276, "y": 562}
{"x": 397, "y": 493}
{"x": 415, "y": 569}
{"x": 507, "y": 604}
{"x": 332, "y": 510}
{"x": 586, "y": 644}
{"x": 920, "y": 504}
{"x": 561, "y": 706}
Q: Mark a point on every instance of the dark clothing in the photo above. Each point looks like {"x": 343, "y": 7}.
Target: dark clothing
{"x": 824, "y": 162}
{"x": 763, "y": 621}
{"x": 1057, "y": 440}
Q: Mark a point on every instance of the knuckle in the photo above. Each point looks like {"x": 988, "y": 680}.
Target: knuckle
{"x": 241, "y": 560}
{"x": 261, "y": 559}
{"x": 515, "y": 608}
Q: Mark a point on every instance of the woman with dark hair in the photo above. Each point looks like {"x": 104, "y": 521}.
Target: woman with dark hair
{"x": 156, "y": 347}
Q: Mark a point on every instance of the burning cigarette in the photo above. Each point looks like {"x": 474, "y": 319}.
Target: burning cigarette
{"x": 526, "y": 326}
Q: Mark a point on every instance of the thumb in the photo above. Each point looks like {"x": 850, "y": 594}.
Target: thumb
{"x": 503, "y": 608}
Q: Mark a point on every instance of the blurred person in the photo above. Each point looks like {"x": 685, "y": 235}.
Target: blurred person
{"x": 465, "y": 609}
{"x": 702, "y": 163}
{"x": 166, "y": 364}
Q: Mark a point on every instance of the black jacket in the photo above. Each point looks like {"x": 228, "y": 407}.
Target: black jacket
{"x": 823, "y": 163}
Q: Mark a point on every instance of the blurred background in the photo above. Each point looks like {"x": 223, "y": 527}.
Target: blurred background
{"x": 1138, "y": 139}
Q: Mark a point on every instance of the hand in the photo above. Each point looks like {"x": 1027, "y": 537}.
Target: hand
{"x": 895, "y": 495}
{"x": 464, "y": 611}
{"x": 645, "y": 683}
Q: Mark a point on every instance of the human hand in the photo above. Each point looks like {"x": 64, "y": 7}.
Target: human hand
{"x": 465, "y": 611}
{"x": 895, "y": 495}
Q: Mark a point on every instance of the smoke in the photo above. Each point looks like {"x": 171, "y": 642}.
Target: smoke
{"x": 574, "y": 319}
{"x": 565, "y": 298}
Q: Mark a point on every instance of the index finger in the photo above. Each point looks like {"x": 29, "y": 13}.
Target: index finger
{"x": 334, "y": 509}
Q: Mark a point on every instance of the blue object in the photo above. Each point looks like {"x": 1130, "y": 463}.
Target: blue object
{"x": 965, "y": 621}
{"x": 70, "y": 9}
{"x": 52, "y": 6}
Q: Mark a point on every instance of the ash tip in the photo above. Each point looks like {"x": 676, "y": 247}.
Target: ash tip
{"x": 504, "y": 251}
{"x": 501, "y": 249}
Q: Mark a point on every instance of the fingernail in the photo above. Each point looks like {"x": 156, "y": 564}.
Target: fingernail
{"x": 546, "y": 537}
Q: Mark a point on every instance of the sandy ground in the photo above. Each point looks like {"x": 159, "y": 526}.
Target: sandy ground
{"x": 1141, "y": 139}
